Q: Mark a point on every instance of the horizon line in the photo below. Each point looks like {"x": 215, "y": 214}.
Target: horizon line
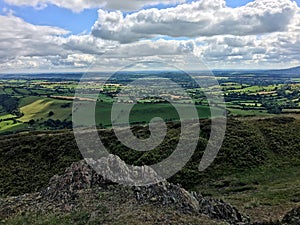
{"x": 109, "y": 71}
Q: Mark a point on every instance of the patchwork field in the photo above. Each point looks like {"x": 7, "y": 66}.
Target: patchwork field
{"x": 42, "y": 104}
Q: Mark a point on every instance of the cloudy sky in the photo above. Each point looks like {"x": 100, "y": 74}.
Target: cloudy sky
{"x": 65, "y": 35}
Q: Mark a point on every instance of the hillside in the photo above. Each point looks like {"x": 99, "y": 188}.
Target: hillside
{"x": 257, "y": 168}
{"x": 82, "y": 196}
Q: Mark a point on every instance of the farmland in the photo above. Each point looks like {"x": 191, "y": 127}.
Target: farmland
{"x": 43, "y": 102}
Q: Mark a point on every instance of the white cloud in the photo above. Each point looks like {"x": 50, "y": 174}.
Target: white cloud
{"x": 271, "y": 50}
{"x": 28, "y": 46}
{"x": 280, "y": 49}
{"x": 47, "y": 63}
{"x": 200, "y": 18}
{"x": 223, "y": 37}
{"x": 152, "y": 48}
{"x": 80, "y": 5}
{"x": 88, "y": 44}
{"x": 19, "y": 38}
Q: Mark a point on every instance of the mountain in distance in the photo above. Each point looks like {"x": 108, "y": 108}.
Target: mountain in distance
{"x": 290, "y": 70}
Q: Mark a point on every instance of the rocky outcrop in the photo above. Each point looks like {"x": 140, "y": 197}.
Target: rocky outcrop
{"x": 218, "y": 209}
{"x": 80, "y": 178}
{"x": 76, "y": 177}
{"x": 82, "y": 175}
{"x": 172, "y": 195}
{"x": 116, "y": 170}
{"x": 167, "y": 194}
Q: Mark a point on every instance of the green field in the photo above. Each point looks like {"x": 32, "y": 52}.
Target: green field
{"x": 241, "y": 112}
{"x": 259, "y": 96}
{"x": 8, "y": 125}
{"x": 7, "y": 116}
{"x": 28, "y": 100}
{"x": 143, "y": 113}
{"x": 39, "y": 110}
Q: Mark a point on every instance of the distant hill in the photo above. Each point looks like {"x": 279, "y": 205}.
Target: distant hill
{"x": 293, "y": 70}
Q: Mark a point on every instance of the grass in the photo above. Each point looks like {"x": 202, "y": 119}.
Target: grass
{"x": 28, "y": 100}
{"x": 71, "y": 218}
{"x": 257, "y": 166}
{"x": 256, "y": 88}
{"x": 22, "y": 91}
{"x": 132, "y": 215}
{"x": 270, "y": 185}
{"x": 114, "y": 205}
{"x": 291, "y": 110}
{"x": 143, "y": 112}
{"x": 38, "y": 107}
{"x": 39, "y": 110}
{"x": 264, "y": 193}
{"x": 252, "y": 151}
{"x": 296, "y": 80}
{"x": 9, "y": 91}
{"x": 7, "y": 125}
{"x": 241, "y": 112}
{"x": 7, "y": 116}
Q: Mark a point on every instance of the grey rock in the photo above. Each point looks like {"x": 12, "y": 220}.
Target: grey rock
{"x": 114, "y": 169}
{"x": 76, "y": 177}
{"x": 168, "y": 194}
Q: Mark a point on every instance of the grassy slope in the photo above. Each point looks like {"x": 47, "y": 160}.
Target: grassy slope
{"x": 8, "y": 125}
{"x": 108, "y": 212}
{"x": 28, "y": 100}
{"x": 39, "y": 109}
{"x": 262, "y": 181}
{"x": 256, "y": 168}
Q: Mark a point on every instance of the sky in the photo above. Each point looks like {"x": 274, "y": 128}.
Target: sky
{"x": 64, "y": 35}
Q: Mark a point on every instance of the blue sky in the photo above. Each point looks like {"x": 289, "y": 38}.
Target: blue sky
{"x": 55, "y": 16}
{"x": 81, "y": 32}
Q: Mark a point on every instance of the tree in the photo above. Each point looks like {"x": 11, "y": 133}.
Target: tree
{"x": 31, "y": 122}
{"x": 51, "y": 113}
{"x": 274, "y": 109}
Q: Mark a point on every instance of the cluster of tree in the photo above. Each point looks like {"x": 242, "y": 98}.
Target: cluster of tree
{"x": 66, "y": 105}
{"x": 53, "y": 124}
{"x": 240, "y": 96}
{"x": 288, "y": 93}
{"x": 10, "y": 104}
{"x": 58, "y": 124}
